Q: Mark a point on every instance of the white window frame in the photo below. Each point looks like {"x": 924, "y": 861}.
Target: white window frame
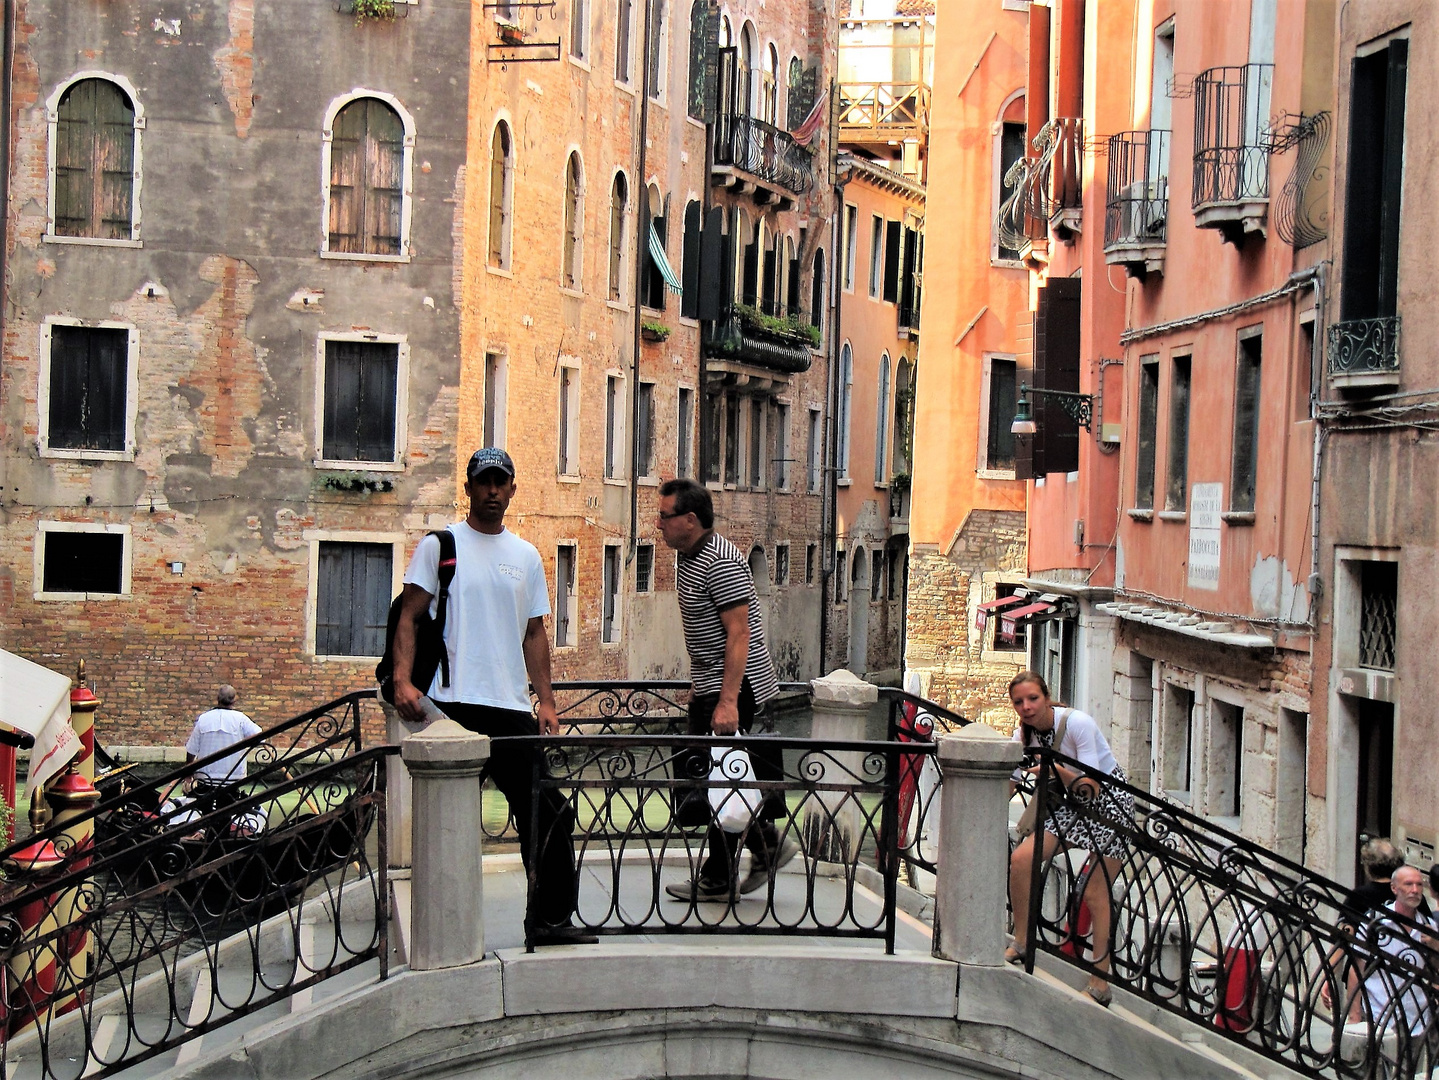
{"x": 617, "y": 624}
{"x": 502, "y": 396}
{"x": 407, "y": 166}
{"x": 507, "y": 249}
{"x": 851, "y": 246}
{"x": 650, "y": 477}
{"x": 617, "y": 429}
{"x": 402, "y": 401}
{"x": 628, "y": 222}
{"x": 132, "y": 390}
{"x": 628, "y": 83}
{"x": 52, "y": 123}
{"x": 126, "y": 559}
{"x": 313, "y": 538}
{"x": 659, "y": 94}
{"x": 572, "y": 601}
{"x": 569, "y": 436}
{"x": 984, "y": 472}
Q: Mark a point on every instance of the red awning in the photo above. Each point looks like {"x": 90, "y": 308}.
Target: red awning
{"x": 981, "y": 615}
{"x": 1011, "y": 618}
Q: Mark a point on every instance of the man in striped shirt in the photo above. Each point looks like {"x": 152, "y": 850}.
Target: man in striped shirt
{"x": 731, "y": 674}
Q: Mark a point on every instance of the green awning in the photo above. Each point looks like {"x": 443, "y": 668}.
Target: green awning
{"x": 657, "y": 253}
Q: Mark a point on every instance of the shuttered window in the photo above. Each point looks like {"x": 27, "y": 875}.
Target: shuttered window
{"x": 361, "y": 378}
{"x": 95, "y": 162}
{"x": 619, "y": 203}
{"x": 690, "y": 263}
{"x": 1245, "y": 463}
{"x": 1054, "y": 446}
{"x": 89, "y": 369}
{"x": 892, "y": 234}
{"x": 1148, "y": 429}
{"x": 367, "y": 157}
{"x": 816, "y": 291}
{"x": 353, "y": 599}
{"x": 574, "y": 222}
{"x": 501, "y": 195}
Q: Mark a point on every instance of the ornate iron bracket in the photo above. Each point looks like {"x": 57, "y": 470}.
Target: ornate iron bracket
{"x": 1079, "y": 407}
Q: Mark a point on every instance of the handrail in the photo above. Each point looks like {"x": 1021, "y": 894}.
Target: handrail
{"x": 113, "y": 932}
{"x": 763, "y": 150}
{"x": 1215, "y": 928}
{"x": 880, "y": 106}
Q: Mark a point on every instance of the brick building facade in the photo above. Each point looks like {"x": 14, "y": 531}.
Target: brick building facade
{"x": 231, "y": 342}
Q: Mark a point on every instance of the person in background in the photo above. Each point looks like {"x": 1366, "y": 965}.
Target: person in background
{"x": 1063, "y": 825}
{"x": 1380, "y": 858}
{"x": 216, "y": 729}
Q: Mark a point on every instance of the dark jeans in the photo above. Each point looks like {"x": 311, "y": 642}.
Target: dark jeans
{"x": 553, "y": 882}
{"x": 762, "y": 838}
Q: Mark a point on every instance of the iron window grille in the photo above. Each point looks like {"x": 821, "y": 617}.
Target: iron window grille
{"x": 1231, "y": 163}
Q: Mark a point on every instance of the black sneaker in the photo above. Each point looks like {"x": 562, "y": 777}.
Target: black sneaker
{"x": 565, "y": 933}
{"x": 701, "y": 890}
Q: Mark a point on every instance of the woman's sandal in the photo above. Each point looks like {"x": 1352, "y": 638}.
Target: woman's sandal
{"x": 1099, "y": 993}
{"x": 1014, "y": 956}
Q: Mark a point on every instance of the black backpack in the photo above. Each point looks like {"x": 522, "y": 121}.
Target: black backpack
{"x": 430, "y": 653}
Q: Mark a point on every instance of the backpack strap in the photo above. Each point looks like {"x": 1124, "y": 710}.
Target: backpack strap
{"x": 442, "y": 601}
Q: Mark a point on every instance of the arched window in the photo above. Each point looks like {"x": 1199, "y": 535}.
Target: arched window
{"x": 759, "y": 570}
{"x": 659, "y": 46}
{"x": 903, "y": 415}
{"x": 96, "y": 151}
{"x": 881, "y": 422}
{"x": 367, "y": 180}
{"x": 745, "y": 93}
{"x": 502, "y": 182}
{"x": 574, "y": 222}
{"x": 690, "y": 265}
{"x": 816, "y": 291}
{"x": 769, "y": 86}
{"x": 699, "y": 30}
{"x": 793, "y": 94}
{"x": 846, "y": 395}
{"x": 726, "y": 35}
{"x": 619, "y": 206}
{"x": 791, "y": 279}
{"x": 652, "y": 282}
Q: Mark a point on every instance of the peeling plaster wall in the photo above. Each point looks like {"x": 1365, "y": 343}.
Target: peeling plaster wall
{"x": 227, "y": 296}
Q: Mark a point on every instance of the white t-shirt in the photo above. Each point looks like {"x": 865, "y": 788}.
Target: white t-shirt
{"x": 215, "y": 730}
{"x": 1083, "y": 740}
{"x": 1382, "y": 986}
{"x": 499, "y": 586}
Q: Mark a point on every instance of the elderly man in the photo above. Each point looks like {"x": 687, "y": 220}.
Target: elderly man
{"x": 216, "y": 729}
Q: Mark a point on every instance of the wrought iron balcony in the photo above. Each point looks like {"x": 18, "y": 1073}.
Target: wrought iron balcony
{"x": 781, "y": 343}
{"x": 1364, "y": 353}
{"x": 1045, "y": 189}
{"x": 1136, "y": 212}
{"x": 1231, "y": 162}
{"x": 764, "y": 152}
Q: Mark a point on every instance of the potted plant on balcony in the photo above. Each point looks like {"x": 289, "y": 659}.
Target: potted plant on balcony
{"x": 370, "y": 9}
{"x": 510, "y": 33}
{"x": 654, "y": 331}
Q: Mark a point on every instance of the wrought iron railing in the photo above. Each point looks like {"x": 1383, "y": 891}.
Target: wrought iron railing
{"x": 1059, "y": 171}
{"x": 212, "y": 906}
{"x": 1364, "y": 346}
{"x": 1222, "y": 932}
{"x": 1231, "y": 162}
{"x": 764, "y": 151}
{"x": 1136, "y": 210}
{"x": 1300, "y": 218}
{"x": 642, "y": 806}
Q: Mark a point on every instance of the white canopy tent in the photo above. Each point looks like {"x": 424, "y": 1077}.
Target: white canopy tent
{"x": 36, "y": 700}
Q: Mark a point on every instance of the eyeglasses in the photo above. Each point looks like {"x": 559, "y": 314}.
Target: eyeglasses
{"x": 672, "y": 514}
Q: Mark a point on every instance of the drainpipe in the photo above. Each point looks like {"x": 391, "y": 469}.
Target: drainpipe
{"x": 641, "y": 247}
{"x": 6, "y": 100}
{"x": 829, "y": 492}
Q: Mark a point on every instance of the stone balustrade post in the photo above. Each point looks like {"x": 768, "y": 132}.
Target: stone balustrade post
{"x": 973, "y": 874}
{"x": 840, "y": 704}
{"x": 399, "y": 794}
{"x": 447, "y": 878}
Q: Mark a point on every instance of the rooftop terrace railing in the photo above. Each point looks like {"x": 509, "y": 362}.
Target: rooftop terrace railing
{"x": 1229, "y": 935}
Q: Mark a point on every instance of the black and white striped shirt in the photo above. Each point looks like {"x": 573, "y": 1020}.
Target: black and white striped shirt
{"x": 713, "y": 579}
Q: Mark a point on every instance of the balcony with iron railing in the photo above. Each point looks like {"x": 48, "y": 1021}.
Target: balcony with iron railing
{"x": 765, "y": 335}
{"x": 751, "y": 154}
{"x": 1136, "y": 211}
{"x": 1231, "y": 161}
{"x": 1046, "y": 190}
{"x": 1364, "y": 353}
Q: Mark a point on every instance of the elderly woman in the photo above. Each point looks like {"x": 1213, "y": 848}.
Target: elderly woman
{"x": 1064, "y": 826}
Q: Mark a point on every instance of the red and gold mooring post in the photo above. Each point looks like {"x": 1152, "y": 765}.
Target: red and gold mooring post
{"x": 33, "y": 964}
{"x": 82, "y": 718}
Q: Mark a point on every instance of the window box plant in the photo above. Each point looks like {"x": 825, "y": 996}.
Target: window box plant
{"x": 380, "y": 10}
{"x": 509, "y": 33}
{"x": 654, "y": 331}
{"x": 358, "y": 482}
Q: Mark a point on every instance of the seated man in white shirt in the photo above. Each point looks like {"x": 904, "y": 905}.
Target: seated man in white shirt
{"x": 216, "y": 729}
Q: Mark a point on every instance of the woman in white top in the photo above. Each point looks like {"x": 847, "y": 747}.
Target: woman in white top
{"x": 1064, "y": 827}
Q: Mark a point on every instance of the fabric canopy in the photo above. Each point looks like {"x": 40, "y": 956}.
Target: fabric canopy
{"x": 36, "y": 700}
{"x": 657, "y": 253}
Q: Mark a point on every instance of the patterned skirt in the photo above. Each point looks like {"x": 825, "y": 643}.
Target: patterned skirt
{"x": 1093, "y": 827}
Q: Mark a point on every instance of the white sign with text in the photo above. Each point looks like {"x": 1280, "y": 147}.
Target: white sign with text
{"x": 1206, "y": 503}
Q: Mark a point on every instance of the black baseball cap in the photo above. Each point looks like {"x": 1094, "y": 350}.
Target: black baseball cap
{"x": 489, "y": 457}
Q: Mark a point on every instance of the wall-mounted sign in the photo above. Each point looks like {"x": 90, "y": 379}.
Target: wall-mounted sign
{"x": 1206, "y": 502}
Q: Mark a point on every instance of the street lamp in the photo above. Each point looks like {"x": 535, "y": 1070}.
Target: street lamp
{"x": 1080, "y": 408}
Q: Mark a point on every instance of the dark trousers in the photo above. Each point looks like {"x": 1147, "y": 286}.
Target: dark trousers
{"x": 513, "y": 767}
{"x": 762, "y": 838}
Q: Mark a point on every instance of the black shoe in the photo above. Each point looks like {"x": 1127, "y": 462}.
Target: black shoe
{"x": 702, "y": 890}
{"x": 565, "y": 933}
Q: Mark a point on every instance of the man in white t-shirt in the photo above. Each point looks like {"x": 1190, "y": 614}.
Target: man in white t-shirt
{"x": 216, "y": 729}
{"x": 495, "y": 637}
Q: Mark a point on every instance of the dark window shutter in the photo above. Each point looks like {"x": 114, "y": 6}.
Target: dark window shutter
{"x": 749, "y": 283}
{"x": 726, "y": 93}
{"x": 1393, "y": 176}
{"x": 699, "y": 48}
{"x": 94, "y": 161}
{"x": 906, "y": 280}
{"x": 360, "y": 381}
{"x": 791, "y": 289}
{"x": 353, "y": 599}
{"x": 712, "y": 293}
{"x": 1055, "y": 444}
{"x": 771, "y": 277}
{"x": 115, "y": 159}
{"x": 690, "y": 263}
{"x": 1002, "y": 395}
{"x": 384, "y": 169}
{"x": 891, "y": 261}
{"x": 816, "y": 290}
{"x": 88, "y": 387}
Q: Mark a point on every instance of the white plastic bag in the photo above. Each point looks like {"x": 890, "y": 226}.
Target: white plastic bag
{"x": 734, "y": 806}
